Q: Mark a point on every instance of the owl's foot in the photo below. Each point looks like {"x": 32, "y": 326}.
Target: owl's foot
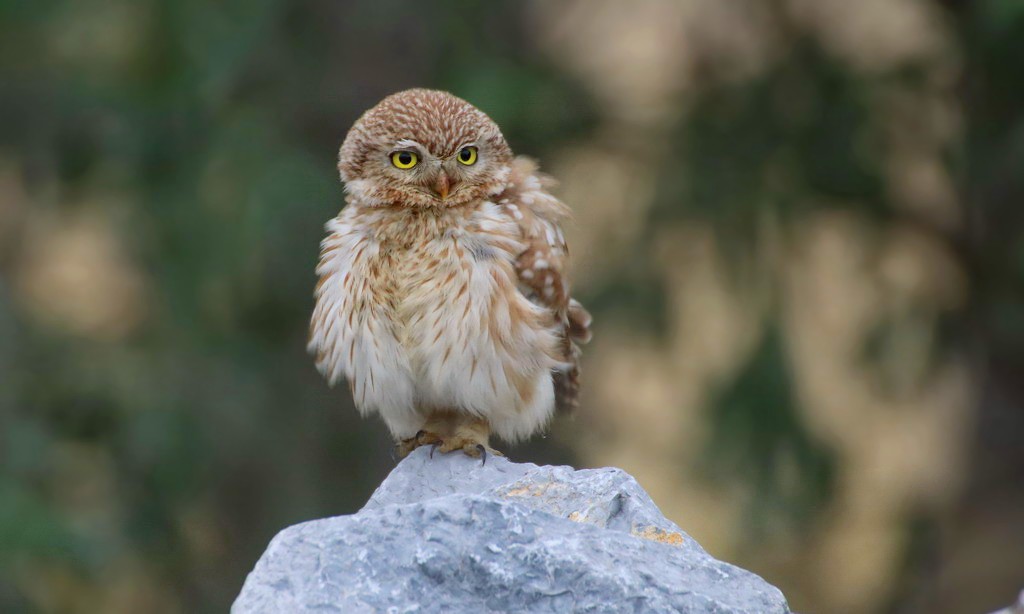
{"x": 447, "y": 431}
{"x": 472, "y": 438}
{"x": 469, "y": 447}
{"x": 422, "y": 438}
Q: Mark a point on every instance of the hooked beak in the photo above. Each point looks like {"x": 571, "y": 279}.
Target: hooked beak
{"x": 442, "y": 185}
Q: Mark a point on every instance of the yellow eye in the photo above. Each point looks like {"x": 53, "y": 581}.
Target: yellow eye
{"x": 404, "y": 159}
{"x": 467, "y": 155}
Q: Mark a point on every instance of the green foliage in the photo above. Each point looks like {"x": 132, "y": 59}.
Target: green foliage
{"x": 757, "y": 432}
{"x": 799, "y": 135}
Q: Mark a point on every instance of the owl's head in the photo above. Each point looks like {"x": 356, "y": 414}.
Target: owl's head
{"x": 424, "y": 148}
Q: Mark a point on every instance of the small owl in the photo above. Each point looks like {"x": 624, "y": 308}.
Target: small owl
{"x": 443, "y": 295}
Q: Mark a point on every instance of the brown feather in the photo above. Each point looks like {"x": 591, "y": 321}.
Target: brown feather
{"x": 542, "y": 269}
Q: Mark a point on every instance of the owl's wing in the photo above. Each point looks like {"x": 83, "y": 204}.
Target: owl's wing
{"x": 542, "y": 268}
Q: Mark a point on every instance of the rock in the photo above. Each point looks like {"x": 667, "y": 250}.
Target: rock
{"x": 449, "y": 534}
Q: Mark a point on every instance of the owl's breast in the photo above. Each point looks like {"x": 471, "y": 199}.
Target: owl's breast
{"x": 444, "y": 284}
{"x": 431, "y": 316}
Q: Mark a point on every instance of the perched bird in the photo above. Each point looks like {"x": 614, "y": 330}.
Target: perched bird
{"x": 443, "y": 295}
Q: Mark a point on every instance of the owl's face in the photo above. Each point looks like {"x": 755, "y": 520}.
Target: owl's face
{"x": 424, "y": 148}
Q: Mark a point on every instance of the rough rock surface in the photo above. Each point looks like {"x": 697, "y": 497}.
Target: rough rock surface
{"x": 449, "y": 534}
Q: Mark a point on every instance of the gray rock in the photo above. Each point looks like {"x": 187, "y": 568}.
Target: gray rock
{"x": 449, "y": 534}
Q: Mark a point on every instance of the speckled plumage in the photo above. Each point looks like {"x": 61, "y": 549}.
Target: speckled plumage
{"x": 433, "y": 302}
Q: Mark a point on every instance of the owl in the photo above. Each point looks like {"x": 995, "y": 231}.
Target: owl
{"x": 442, "y": 294}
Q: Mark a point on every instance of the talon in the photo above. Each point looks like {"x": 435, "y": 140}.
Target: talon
{"x": 483, "y": 454}
{"x": 432, "y": 448}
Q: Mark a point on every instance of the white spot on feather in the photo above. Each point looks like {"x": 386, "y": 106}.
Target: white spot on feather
{"x": 549, "y": 233}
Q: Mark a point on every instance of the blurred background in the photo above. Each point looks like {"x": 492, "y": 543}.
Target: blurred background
{"x": 800, "y": 228}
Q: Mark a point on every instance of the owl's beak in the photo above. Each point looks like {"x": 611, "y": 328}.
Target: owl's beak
{"x": 442, "y": 185}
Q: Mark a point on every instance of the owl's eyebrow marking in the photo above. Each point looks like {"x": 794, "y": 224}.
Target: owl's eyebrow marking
{"x": 409, "y": 144}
